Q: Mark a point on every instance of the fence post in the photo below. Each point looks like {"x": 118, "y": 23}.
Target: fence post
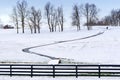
{"x": 76, "y": 67}
{"x": 10, "y": 70}
{"x": 31, "y": 70}
{"x": 53, "y": 71}
{"x": 99, "y": 72}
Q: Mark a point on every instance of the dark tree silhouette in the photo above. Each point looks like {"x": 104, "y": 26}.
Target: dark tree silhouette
{"x": 76, "y": 17}
{"x": 22, "y": 12}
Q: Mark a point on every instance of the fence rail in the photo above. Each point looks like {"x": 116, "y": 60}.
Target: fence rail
{"x": 60, "y": 70}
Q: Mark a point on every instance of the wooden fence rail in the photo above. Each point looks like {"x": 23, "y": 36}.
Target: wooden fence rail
{"x": 60, "y": 70}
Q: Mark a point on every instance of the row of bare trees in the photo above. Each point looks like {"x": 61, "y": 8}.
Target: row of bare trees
{"x": 55, "y": 17}
{"x": 24, "y": 16}
{"x": 34, "y": 20}
{"x": 21, "y": 16}
{"x": 113, "y": 19}
{"x": 90, "y": 11}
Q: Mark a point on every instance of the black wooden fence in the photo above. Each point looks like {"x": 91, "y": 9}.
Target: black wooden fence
{"x": 60, "y": 70}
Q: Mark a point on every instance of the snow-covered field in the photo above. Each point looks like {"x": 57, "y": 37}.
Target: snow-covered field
{"x": 101, "y": 49}
{"x": 57, "y": 78}
{"x": 11, "y": 45}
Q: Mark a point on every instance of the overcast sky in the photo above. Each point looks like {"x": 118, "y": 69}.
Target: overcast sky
{"x": 105, "y": 6}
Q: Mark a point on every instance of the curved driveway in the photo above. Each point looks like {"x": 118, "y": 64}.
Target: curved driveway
{"x": 27, "y": 50}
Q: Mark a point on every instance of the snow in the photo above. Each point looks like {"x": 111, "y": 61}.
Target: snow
{"x": 11, "y": 44}
{"x": 53, "y": 62}
{"x": 101, "y": 49}
{"x": 56, "y": 78}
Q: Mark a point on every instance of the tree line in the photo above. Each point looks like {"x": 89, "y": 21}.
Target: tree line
{"x": 113, "y": 19}
{"x": 23, "y": 16}
{"x": 89, "y": 11}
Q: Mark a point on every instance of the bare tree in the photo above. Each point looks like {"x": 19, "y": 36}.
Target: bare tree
{"x": 90, "y": 11}
{"x": 22, "y": 12}
{"x": 115, "y": 16}
{"x": 38, "y": 19}
{"x": 86, "y": 13}
{"x": 35, "y": 19}
{"x": 76, "y": 17}
{"x": 48, "y": 8}
{"x": 52, "y": 18}
{"x": 32, "y": 18}
{"x": 93, "y": 14}
{"x": 118, "y": 16}
{"x": 15, "y": 19}
{"x": 60, "y": 18}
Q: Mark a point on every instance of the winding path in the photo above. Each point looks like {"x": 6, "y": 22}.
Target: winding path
{"x": 27, "y": 50}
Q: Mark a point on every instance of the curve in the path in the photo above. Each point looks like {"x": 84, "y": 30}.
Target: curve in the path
{"x": 27, "y": 50}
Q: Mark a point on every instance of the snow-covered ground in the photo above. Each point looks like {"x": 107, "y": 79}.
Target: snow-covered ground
{"x": 102, "y": 49}
{"x": 57, "y": 78}
{"x": 11, "y": 44}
